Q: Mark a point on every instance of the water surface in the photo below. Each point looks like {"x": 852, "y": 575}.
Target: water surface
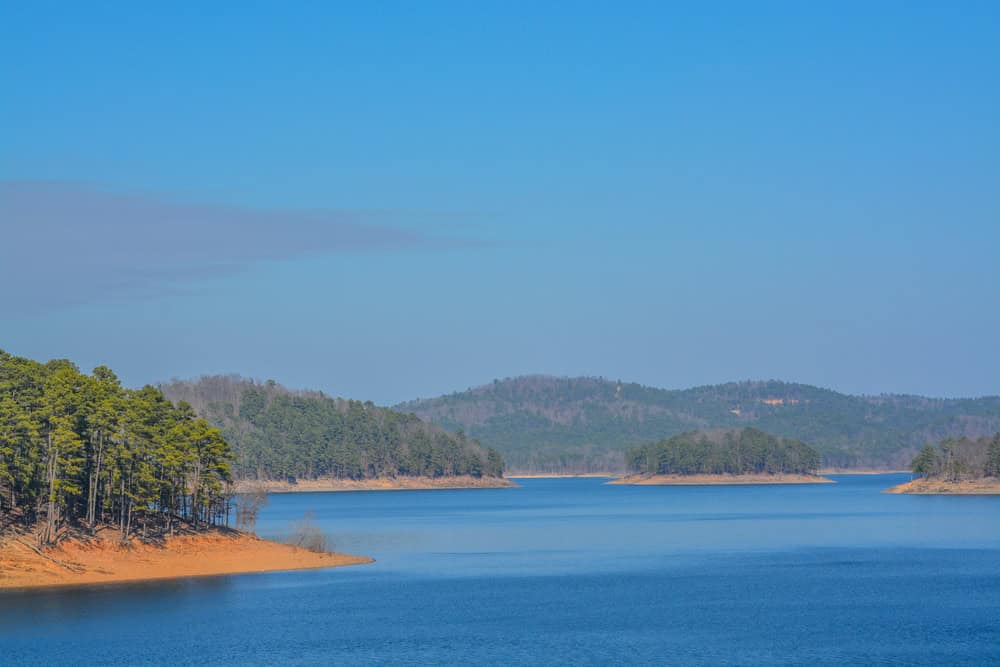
{"x": 570, "y": 572}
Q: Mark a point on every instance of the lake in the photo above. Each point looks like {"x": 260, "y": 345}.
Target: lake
{"x": 570, "y": 571}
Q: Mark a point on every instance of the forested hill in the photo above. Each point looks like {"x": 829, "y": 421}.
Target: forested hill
{"x": 278, "y": 433}
{"x": 545, "y": 423}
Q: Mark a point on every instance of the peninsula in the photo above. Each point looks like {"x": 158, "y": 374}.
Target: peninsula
{"x": 733, "y": 457}
{"x": 956, "y": 466}
{"x": 83, "y": 562}
{"x": 101, "y": 484}
{"x": 292, "y": 440}
{"x": 720, "y": 480}
{"x": 401, "y": 483}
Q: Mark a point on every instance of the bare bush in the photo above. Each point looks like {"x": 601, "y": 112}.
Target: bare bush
{"x": 248, "y": 506}
{"x": 307, "y": 535}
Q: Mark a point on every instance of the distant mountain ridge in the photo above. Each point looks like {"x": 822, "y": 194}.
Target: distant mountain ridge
{"x": 557, "y": 424}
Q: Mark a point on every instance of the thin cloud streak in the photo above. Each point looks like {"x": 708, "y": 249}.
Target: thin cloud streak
{"x": 64, "y": 244}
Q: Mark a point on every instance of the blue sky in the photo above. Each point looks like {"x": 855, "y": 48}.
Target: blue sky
{"x": 393, "y": 200}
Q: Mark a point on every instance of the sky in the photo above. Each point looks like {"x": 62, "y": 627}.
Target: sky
{"x": 389, "y": 200}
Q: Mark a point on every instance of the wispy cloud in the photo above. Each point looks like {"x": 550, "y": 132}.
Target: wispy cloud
{"x": 63, "y": 243}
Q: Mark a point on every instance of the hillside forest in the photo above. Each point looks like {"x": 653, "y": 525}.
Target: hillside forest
{"x": 585, "y": 424}
{"x": 281, "y": 434}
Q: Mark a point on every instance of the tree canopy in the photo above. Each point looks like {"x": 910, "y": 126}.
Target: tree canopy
{"x": 960, "y": 458}
{"x": 278, "y": 433}
{"x": 78, "y": 449}
{"x": 733, "y": 452}
{"x": 585, "y": 424}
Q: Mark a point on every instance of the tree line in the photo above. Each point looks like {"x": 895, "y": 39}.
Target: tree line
{"x": 733, "y": 452}
{"x": 279, "y": 434}
{"x": 80, "y": 450}
{"x": 955, "y": 459}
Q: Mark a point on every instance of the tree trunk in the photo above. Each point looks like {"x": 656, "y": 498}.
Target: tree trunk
{"x": 128, "y": 524}
{"x": 51, "y": 518}
{"x": 121, "y": 508}
{"x": 195, "y": 504}
{"x": 95, "y": 477}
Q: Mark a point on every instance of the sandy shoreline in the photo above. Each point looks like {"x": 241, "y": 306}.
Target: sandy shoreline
{"x": 859, "y": 471}
{"x": 102, "y": 562}
{"x": 989, "y": 486}
{"x": 558, "y": 475}
{"x": 722, "y": 480}
{"x": 382, "y": 484}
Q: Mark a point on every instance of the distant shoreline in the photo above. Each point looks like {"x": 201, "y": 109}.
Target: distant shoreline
{"x": 859, "y": 471}
{"x": 85, "y": 563}
{"x": 561, "y": 475}
{"x": 380, "y": 484}
{"x": 719, "y": 480}
{"x": 988, "y": 486}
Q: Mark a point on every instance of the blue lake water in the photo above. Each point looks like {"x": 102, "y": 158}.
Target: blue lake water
{"x": 570, "y": 572}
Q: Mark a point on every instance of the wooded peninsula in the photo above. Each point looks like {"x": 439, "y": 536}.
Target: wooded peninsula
{"x": 92, "y": 475}
{"x": 956, "y": 466}
{"x": 291, "y": 439}
{"x": 746, "y": 456}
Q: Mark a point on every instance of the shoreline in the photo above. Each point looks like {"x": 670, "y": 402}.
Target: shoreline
{"x": 562, "y": 475}
{"x": 718, "y": 480}
{"x": 325, "y": 485}
{"x": 76, "y": 563}
{"x": 923, "y": 486}
{"x": 859, "y": 471}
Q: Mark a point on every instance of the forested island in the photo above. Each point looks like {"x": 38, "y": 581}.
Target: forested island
{"x": 745, "y": 456}
{"x": 544, "y": 424}
{"x": 92, "y": 473}
{"x": 960, "y": 466}
{"x": 288, "y": 440}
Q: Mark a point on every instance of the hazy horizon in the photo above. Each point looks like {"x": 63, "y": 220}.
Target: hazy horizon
{"x": 558, "y": 377}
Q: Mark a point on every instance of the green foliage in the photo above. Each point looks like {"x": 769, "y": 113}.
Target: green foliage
{"x": 992, "y": 468}
{"x": 724, "y": 452}
{"x": 81, "y": 449}
{"x": 926, "y": 462}
{"x": 586, "y": 424}
{"x": 281, "y": 434}
{"x": 960, "y": 458}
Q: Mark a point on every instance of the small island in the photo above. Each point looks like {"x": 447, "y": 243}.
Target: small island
{"x": 747, "y": 456}
{"x": 103, "y": 484}
{"x": 956, "y": 466}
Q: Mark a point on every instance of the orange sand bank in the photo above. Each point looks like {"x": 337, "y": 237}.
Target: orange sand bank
{"x": 971, "y": 487}
{"x": 700, "y": 480}
{"x": 859, "y": 471}
{"x": 558, "y": 475}
{"x": 383, "y": 484}
{"x": 98, "y": 562}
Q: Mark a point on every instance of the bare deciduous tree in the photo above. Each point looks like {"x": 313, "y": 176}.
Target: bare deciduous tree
{"x": 248, "y": 506}
{"x": 308, "y": 535}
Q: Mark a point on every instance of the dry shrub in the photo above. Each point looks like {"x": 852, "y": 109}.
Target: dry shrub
{"x": 308, "y": 535}
{"x": 248, "y": 506}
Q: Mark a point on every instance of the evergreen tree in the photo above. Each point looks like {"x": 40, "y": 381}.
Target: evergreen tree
{"x": 926, "y": 462}
{"x": 729, "y": 452}
{"x": 80, "y": 450}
